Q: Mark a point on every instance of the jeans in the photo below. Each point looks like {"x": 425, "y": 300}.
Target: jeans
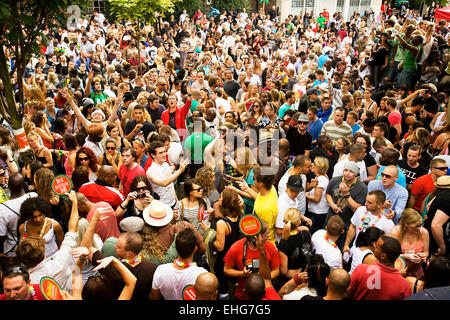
{"x": 407, "y": 77}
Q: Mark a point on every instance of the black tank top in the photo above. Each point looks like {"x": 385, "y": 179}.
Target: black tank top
{"x": 235, "y": 235}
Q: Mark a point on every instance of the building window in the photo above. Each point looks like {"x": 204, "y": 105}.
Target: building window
{"x": 99, "y": 5}
{"x": 310, "y": 4}
{"x": 340, "y": 5}
{"x": 298, "y": 3}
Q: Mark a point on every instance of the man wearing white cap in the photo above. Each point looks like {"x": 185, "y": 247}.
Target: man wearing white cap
{"x": 345, "y": 194}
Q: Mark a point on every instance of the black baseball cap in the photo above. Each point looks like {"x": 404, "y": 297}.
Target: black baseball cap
{"x": 295, "y": 183}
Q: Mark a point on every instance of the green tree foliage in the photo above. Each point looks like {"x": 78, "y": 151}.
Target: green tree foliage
{"x": 232, "y": 5}
{"x": 22, "y": 25}
{"x": 190, "y": 6}
{"x": 141, "y": 9}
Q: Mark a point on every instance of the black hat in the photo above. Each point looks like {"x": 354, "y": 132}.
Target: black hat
{"x": 295, "y": 183}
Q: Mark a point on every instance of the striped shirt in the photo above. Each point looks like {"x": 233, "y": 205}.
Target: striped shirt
{"x": 335, "y": 132}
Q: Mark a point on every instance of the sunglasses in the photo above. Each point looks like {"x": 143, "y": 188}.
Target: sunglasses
{"x": 15, "y": 270}
{"x": 441, "y": 168}
{"x": 386, "y": 175}
{"x": 141, "y": 189}
{"x": 198, "y": 189}
{"x": 84, "y": 159}
{"x": 110, "y": 148}
{"x": 303, "y": 122}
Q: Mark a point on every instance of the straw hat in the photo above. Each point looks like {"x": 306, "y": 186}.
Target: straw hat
{"x": 443, "y": 182}
{"x": 157, "y": 214}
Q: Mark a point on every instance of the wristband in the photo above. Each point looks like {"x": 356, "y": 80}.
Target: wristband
{"x": 121, "y": 207}
{"x": 297, "y": 279}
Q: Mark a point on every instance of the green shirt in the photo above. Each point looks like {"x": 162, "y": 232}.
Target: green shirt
{"x": 401, "y": 51}
{"x": 196, "y": 144}
{"x": 321, "y": 21}
{"x": 410, "y": 62}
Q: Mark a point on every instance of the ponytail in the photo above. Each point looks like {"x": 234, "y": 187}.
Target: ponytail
{"x": 286, "y": 231}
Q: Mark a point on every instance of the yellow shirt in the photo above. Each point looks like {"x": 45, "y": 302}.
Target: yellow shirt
{"x": 266, "y": 208}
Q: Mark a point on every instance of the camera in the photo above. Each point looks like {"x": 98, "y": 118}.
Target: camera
{"x": 140, "y": 195}
{"x": 254, "y": 267}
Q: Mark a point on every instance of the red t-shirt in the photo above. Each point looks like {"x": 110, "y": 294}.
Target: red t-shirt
{"x": 378, "y": 282}
{"x": 37, "y": 293}
{"x": 107, "y": 227}
{"x": 126, "y": 176}
{"x": 421, "y": 188}
{"x": 395, "y": 118}
{"x": 96, "y": 193}
{"x": 234, "y": 256}
{"x": 271, "y": 294}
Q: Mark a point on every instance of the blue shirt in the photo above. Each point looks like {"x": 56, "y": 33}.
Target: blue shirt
{"x": 397, "y": 194}
{"x": 324, "y": 115}
{"x": 355, "y": 128}
{"x": 314, "y": 129}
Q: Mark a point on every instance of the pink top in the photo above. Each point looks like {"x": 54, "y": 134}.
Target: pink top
{"x": 66, "y": 164}
{"x": 417, "y": 246}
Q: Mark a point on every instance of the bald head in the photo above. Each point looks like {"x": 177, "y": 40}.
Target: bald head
{"x": 338, "y": 281}
{"x": 206, "y": 286}
{"x": 15, "y": 184}
{"x": 107, "y": 174}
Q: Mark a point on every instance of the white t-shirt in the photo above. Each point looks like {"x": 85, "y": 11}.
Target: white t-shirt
{"x": 370, "y": 220}
{"x": 358, "y": 257}
{"x": 331, "y": 255}
{"x": 301, "y": 198}
{"x": 284, "y": 202}
{"x": 298, "y": 294}
{"x": 339, "y": 169}
{"x": 9, "y": 219}
{"x": 171, "y": 282}
{"x": 322, "y": 206}
{"x": 167, "y": 194}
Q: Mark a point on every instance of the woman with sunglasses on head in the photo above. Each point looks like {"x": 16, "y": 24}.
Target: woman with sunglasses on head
{"x": 415, "y": 241}
{"x": 138, "y": 199}
{"x": 86, "y": 157}
{"x": 35, "y": 221}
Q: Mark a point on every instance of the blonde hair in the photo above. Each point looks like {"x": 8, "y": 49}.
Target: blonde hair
{"x": 43, "y": 186}
{"x": 151, "y": 247}
{"x": 322, "y": 164}
{"x": 247, "y": 161}
{"x": 292, "y": 220}
{"x": 409, "y": 216}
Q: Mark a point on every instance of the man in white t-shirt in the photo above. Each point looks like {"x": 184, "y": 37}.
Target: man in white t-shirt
{"x": 300, "y": 166}
{"x": 160, "y": 175}
{"x": 370, "y": 215}
{"x": 287, "y": 200}
{"x": 324, "y": 242}
{"x": 10, "y": 214}
{"x": 173, "y": 280}
{"x": 357, "y": 154}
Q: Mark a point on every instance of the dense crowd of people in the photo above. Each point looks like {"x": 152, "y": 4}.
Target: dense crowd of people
{"x": 333, "y": 133}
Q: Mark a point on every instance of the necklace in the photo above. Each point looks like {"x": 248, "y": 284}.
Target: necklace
{"x": 32, "y": 293}
{"x": 363, "y": 218}
{"x": 133, "y": 261}
{"x": 327, "y": 238}
{"x": 183, "y": 264}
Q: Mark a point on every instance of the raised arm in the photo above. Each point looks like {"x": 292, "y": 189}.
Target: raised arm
{"x": 68, "y": 96}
